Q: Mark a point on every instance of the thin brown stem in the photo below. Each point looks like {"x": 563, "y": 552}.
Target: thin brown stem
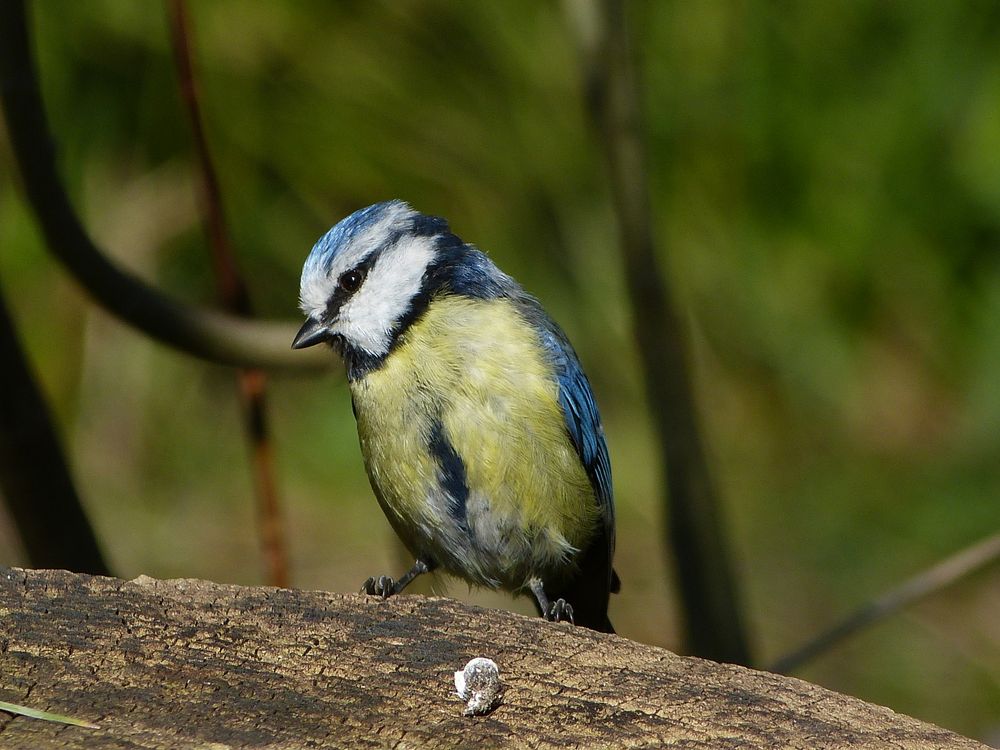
{"x": 235, "y": 297}
{"x": 930, "y": 581}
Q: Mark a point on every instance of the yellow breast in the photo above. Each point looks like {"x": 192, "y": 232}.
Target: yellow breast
{"x": 476, "y": 369}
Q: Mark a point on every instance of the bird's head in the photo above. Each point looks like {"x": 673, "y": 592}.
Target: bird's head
{"x": 364, "y": 277}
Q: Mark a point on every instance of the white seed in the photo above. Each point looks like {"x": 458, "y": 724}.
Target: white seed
{"x": 479, "y": 685}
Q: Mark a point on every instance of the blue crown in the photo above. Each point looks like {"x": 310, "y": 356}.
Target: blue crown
{"x": 340, "y": 236}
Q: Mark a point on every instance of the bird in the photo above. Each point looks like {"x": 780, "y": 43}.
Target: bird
{"x": 479, "y": 430}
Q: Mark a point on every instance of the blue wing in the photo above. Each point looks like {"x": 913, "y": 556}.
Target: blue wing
{"x": 583, "y": 422}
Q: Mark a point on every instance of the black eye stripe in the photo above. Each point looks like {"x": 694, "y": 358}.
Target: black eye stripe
{"x": 351, "y": 281}
{"x": 345, "y": 287}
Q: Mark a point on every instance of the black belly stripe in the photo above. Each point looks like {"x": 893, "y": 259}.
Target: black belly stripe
{"x": 452, "y": 476}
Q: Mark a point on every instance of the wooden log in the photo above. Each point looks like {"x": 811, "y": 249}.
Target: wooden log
{"x": 194, "y": 664}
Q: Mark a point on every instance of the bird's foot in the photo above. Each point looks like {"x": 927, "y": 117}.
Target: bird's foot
{"x": 383, "y": 587}
{"x": 560, "y": 611}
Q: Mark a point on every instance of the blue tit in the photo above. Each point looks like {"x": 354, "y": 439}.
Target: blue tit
{"x": 478, "y": 427}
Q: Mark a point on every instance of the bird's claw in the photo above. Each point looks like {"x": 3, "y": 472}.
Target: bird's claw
{"x": 383, "y": 587}
{"x": 560, "y": 611}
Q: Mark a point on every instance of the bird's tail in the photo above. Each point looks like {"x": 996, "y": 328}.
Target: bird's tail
{"x": 586, "y": 614}
{"x": 601, "y": 627}
{"x": 588, "y": 594}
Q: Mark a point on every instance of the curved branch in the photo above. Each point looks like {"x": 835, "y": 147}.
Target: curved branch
{"x": 211, "y": 335}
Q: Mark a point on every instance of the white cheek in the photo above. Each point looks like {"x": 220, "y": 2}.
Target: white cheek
{"x": 367, "y": 319}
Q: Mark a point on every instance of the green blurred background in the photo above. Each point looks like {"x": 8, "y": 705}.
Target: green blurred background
{"x": 826, "y": 181}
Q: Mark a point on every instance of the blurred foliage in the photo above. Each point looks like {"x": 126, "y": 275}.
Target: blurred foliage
{"x": 826, "y": 179}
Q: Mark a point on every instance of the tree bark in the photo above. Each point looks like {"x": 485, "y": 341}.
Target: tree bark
{"x": 193, "y": 664}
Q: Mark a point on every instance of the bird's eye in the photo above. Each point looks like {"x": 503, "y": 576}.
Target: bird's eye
{"x": 350, "y": 281}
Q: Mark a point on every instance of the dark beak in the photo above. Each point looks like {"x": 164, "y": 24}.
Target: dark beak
{"x": 311, "y": 333}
